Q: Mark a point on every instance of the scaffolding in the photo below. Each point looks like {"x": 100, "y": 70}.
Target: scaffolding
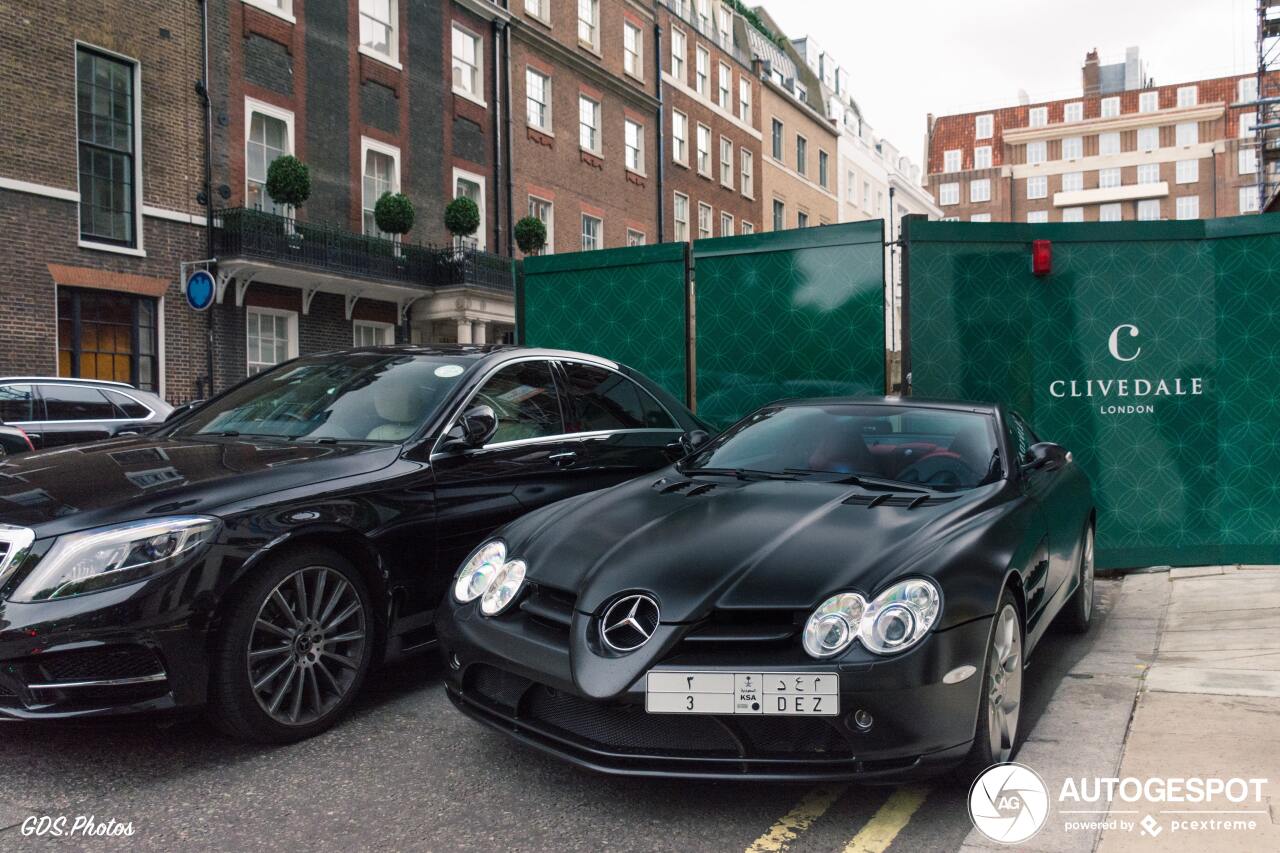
{"x": 1267, "y": 125}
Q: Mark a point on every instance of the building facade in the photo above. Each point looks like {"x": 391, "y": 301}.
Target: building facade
{"x": 711, "y": 104}
{"x": 100, "y": 179}
{"x": 1179, "y": 151}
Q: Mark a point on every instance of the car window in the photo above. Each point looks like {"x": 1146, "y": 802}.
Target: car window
{"x": 606, "y": 400}
{"x": 16, "y": 403}
{"x": 523, "y": 395}
{"x": 1020, "y": 437}
{"x": 128, "y": 406}
{"x": 75, "y": 403}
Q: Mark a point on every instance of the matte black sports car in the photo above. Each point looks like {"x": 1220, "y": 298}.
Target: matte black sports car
{"x": 262, "y": 551}
{"x": 832, "y": 588}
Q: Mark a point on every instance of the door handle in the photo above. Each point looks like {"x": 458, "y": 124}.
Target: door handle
{"x": 564, "y": 457}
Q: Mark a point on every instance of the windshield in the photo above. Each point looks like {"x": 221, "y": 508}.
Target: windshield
{"x": 354, "y": 397}
{"x": 938, "y": 448}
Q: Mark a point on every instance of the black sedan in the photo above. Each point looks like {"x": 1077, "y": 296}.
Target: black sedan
{"x": 262, "y": 551}
{"x": 829, "y": 589}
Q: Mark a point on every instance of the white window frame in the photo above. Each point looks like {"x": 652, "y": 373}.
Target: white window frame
{"x": 1148, "y": 102}
{"x": 367, "y": 145}
{"x": 982, "y": 157}
{"x": 283, "y": 9}
{"x": 1107, "y": 150}
{"x": 726, "y": 164}
{"x": 1072, "y": 182}
{"x": 980, "y": 190}
{"x": 481, "y": 235}
{"x": 948, "y": 194}
{"x": 748, "y": 172}
{"x": 462, "y": 92}
{"x": 1111, "y": 212}
{"x": 680, "y": 142}
{"x": 984, "y": 126}
{"x": 598, "y": 119}
{"x": 702, "y": 71}
{"x": 1186, "y": 133}
{"x": 1188, "y": 96}
{"x": 980, "y": 217}
{"x": 1148, "y": 173}
{"x": 638, "y": 168}
{"x": 1145, "y": 206}
{"x": 1073, "y": 112}
{"x": 1187, "y": 171}
{"x": 1247, "y": 160}
{"x": 703, "y": 233}
{"x": 636, "y": 237}
{"x": 680, "y": 57}
{"x": 380, "y": 329}
{"x": 1250, "y": 193}
{"x": 539, "y": 10}
{"x": 1109, "y": 178}
{"x": 699, "y": 153}
{"x": 138, "y": 249}
{"x": 1152, "y": 135}
{"x": 724, "y": 85}
{"x": 1110, "y": 108}
{"x": 1073, "y": 214}
{"x": 549, "y": 222}
{"x": 637, "y": 69}
{"x": 1038, "y": 186}
{"x": 1037, "y": 117}
{"x": 744, "y": 98}
{"x": 681, "y": 225}
{"x": 392, "y": 57}
{"x": 252, "y": 106}
{"x": 1037, "y": 216}
{"x": 952, "y": 160}
{"x": 593, "y": 23}
{"x": 291, "y": 329}
{"x": 726, "y": 217}
{"x": 1037, "y": 152}
{"x": 1187, "y": 207}
{"x": 1072, "y": 147}
{"x": 1245, "y": 124}
{"x": 1246, "y": 90}
{"x": 582, "y": 232}
{"x": 745, "y": 227}
{"x": 548, "y": 125}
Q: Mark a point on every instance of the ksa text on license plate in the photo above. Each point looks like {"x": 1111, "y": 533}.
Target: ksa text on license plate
{"x": 778, "y": 693}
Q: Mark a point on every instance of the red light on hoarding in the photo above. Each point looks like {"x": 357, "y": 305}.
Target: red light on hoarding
{"x": 1041, "y": 257}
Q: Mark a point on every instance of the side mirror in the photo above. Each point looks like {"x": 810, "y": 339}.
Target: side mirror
{"x": 693, "y": 439}
{"x": 1047, "y": 456}
{"x": 476, "y": 426}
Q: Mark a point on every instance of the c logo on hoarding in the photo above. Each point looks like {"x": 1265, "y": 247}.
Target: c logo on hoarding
{"x": 1113, "y": 343}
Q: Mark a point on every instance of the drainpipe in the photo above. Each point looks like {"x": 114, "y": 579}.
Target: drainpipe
{"x": 511, "y": 153}
{"x": 202, "y": 89}
{"x": 662, "y": 156}
{"x": 498, "y": 26}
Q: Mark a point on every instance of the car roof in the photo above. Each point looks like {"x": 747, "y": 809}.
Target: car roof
{"x": 909, "y": 402}
{"x": 67, "y": 380}
{"x": 475, "y": 352}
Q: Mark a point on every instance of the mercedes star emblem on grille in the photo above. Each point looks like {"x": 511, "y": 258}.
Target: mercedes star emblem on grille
{"x": 629, "y": 623}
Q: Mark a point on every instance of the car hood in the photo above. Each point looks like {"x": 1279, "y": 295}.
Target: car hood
{"x": 71, "y": 488}
{"x": 717, "y": 543}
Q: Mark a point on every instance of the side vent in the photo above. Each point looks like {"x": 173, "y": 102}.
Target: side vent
{"x": 888, "y": 499}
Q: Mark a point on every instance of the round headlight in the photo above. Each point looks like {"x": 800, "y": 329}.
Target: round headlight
{"x": 834, "y": 625}
{"x": 503, "y": 589}
{"x": 479, "y": 571}
{"x": 900, "y": 616}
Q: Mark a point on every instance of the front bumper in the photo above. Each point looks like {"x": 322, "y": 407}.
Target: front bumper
{"x": 136, "y": 648}
{"x": 515, "y": 679}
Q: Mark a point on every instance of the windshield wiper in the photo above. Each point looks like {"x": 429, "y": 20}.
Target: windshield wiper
{"x": 740, "y": 473}
{"x": 868, "y": 482}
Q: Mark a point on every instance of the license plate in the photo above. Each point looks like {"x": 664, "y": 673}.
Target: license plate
{"x": 791, "y": 694}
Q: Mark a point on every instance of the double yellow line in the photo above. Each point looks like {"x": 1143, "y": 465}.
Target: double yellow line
{"x": 874, "y": 837}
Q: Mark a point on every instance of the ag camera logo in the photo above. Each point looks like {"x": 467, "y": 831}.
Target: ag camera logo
{"x": 1008, "y": 803}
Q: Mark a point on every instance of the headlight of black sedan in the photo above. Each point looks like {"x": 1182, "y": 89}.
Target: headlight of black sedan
{"x": 105, "y": 557}
{"x": 894, "y": 621}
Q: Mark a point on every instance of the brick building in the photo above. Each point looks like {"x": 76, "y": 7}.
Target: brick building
{"x": 584, "y": 149}
{"x": 1125, "y": 149}
{"x": 711, "y": 116}
{"x": 100, "y": 167}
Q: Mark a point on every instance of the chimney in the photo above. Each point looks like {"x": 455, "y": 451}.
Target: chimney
{"x": 1092, "y": 75}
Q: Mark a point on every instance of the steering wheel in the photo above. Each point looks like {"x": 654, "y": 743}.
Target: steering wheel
{"x": 939, "y": 469}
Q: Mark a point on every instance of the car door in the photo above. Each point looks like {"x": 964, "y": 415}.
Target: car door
{"x": 74, "y": 413}
{"x": 1064, "y": 527}
{"x": 529, "y": 462}
{"x": 21, "y": 408}
{"x": 1035, "y": 489}
{"x": 133, "y": 414}
{"x": 626, "y": 431}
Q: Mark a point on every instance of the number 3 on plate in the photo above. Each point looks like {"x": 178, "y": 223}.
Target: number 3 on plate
{"x": 688, "y": 702}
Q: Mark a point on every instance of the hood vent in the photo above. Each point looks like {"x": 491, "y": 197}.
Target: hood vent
{"x": 888, "y": 499}
{"x": 689, "y": 488}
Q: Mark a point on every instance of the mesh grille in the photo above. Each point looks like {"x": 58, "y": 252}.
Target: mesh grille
{"x": 94, "y": 665}
{"x": 628, "y": 727}
{"x": 496, "y": 685}
{"x": 776, "y": 736}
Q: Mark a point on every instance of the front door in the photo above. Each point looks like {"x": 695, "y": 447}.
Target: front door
{"x": 74, "y": 413}
{"x": 529, "y": 462}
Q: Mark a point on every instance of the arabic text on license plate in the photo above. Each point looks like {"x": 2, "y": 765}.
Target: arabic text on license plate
{"x": 771, "y": 693}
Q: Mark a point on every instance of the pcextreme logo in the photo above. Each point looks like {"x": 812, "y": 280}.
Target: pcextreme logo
{"x": 1125, "y": 345}
{"x": 1009, "y": 803}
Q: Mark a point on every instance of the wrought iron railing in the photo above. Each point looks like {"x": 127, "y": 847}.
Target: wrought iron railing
{"x": 250, "y": 233}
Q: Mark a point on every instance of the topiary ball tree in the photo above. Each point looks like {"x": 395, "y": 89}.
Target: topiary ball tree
{"x": 531, "y": 235}
{"x": 288, "y": 181}
{"x": 462, "y": 217}
{"x": 393, "y": 213}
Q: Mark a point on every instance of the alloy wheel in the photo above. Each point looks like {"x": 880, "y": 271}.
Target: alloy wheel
{"x": 306, "y": 645}
{"x": 1086, "y": 572}
{"x": 1004, "y": 684}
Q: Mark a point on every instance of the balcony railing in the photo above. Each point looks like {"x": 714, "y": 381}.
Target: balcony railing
{"x": 256, "y": 234}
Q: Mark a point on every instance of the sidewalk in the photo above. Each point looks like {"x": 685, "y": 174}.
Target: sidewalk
{"x": 1210, "y": 707}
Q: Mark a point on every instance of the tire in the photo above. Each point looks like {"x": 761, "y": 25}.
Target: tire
{"x": 292, "y": 654}
{"x": 1004, "y": 655}
{"x": 1077, "y": 614}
